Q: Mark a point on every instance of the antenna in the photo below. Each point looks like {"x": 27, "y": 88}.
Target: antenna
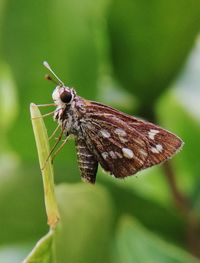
{"x": 46, "y": 64}
{"x": 48, "y": 77}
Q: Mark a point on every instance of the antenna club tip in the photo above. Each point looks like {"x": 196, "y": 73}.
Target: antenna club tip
{"x": 46, "y": 64}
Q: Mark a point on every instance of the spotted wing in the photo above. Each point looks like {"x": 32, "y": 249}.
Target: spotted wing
{"x": 122, "y": 144}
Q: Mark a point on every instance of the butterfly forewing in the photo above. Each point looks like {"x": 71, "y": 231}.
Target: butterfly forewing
{"x": 123, "y": 144}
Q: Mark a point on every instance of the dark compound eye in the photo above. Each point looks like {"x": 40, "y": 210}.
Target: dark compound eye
{"x": 66, "y": 96}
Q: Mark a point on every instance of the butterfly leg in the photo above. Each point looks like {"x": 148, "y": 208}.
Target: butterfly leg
{"x": 87, "y": 162}
{"x": 58, "y": 150}
{"x": 54, "y": 132}
{"x": 54, "y": 147}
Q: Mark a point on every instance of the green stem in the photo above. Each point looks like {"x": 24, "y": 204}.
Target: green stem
{"x": 42, "y": 144}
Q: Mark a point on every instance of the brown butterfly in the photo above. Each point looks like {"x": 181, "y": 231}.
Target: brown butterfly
{"x": 122, "y": 144}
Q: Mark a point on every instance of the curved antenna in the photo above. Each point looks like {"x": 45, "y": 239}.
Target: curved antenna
{"x": 46, "y": 64}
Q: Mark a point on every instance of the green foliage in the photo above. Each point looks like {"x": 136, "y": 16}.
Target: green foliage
{"x": 151, "y": 40}
{"x": 132, "y": 240}
{"x": 125, "y": 53}
{"x": 43, "y": 251}
{"x": 84, "y": 232}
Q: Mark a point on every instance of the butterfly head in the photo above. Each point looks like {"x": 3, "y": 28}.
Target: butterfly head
{"x": 63, "y": 95}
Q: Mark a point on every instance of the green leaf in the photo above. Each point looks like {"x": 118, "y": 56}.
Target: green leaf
{"x": 43, "y": 251}
{"x": 84, "y": 231}
{"x": 164, "y": 220}
{"x": 150, "y": 41}
{"x": 151, "y": 185}
{"x": 136, "y": 244}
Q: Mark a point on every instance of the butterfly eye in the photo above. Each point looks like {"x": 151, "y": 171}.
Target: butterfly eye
{"x": 65, "y": 96}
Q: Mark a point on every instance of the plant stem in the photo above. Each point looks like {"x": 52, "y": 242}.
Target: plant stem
{"x": 42, "y": 144}
{"x": 179, "y": 198}
{"x": 184, "y": 206}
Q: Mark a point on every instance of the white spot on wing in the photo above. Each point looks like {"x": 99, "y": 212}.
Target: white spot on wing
{"x": 104, "y": 155}
{"x": 120, "y": 132}
{"x": 157, "y": 149}
{"x": 143, "y": 152}
{"x": 127, "y": 153}
{"x": 104, "y": 133}
{"x": 122, "y": 139}
{"x": 112, "y": 155}
{"x": 152, "y": 134}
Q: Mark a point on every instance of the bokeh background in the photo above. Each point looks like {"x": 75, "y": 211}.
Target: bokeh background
{"x": 142, "y": 57}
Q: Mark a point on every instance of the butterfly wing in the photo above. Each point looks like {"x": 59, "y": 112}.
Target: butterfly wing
{"x": 122, "y": 144}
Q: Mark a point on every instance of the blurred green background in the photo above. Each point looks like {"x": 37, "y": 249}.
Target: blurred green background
{"x": 142, "y": 57}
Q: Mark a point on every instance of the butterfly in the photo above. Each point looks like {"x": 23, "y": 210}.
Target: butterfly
{"x": 120, "y": 143}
